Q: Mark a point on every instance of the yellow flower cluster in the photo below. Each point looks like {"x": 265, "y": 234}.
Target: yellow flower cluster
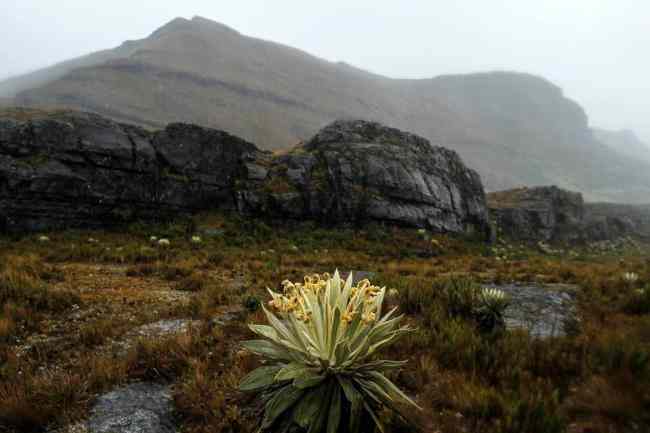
{"x": 362, "y": 299}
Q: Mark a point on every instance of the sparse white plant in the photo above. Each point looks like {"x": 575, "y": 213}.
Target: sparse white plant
{"x": 491, "y": 308}
{"x": 153, "y": 239}
{"x": 630, "y": 277}
{"x": 492, "y": 294}
{"x": 164, "y": 242}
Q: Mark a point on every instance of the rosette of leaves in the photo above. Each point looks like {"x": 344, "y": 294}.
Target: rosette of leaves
{"x": 461, "y": 297}
{"x": 492, "y": 304}
{"x": 320, "y": 344}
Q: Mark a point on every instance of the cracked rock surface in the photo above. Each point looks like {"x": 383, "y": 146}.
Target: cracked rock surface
{"x": 72, "y": 169}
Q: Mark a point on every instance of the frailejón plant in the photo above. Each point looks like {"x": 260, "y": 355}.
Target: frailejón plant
{"x": 491, "y": 308}
{"x": 321, "y": 345}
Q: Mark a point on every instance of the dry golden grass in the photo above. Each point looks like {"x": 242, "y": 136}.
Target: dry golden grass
{"x": 69, "y": 299}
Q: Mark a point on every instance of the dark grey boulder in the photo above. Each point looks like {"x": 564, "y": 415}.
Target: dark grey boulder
{"x": 357, "y": 171}
{"x": 67, "y": 169}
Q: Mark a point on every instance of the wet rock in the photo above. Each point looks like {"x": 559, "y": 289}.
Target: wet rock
{"x": 534, "y": 214}
{"x": 543, "y": 310}
{"x": 549, "y": 213}
{"x": 63, "y": 169}
{"x": 136, "y": 408}
{"x": 353, "y": 171}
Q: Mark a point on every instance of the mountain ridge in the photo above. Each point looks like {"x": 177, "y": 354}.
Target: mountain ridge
{"x": 514, "y": 128}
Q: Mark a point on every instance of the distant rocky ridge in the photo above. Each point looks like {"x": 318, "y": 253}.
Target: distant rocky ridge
{"x": 72, "y": 169}
{"x": 553, "y": 214}
{"x": 514, "y": 129}
{"x": 625, "y": 142}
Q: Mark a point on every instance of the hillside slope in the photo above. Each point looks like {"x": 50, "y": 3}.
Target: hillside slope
{"x": 515, "y": 129}
{"x": 624, "y": 141}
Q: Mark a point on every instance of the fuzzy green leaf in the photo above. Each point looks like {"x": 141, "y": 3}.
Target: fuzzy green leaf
{"x": 323, "y": 411}
{"x": 391, "y": 388}
{"x": 282, "y": 401}
{"x": 308, "y": 379}
{"x": 292, "y": 371}
{"x": 334, "y": 418}
{"x": 356, "y": 402}
{"x": 267, "y": 349}
{"x": 259, "y": 378}
{"x": 306, "y": 411}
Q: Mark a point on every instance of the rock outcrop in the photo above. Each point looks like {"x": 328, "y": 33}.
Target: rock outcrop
{"x": 549, "y": 213}
{"x": 71, "y": 169}
{"x": 610, "y": 220}
{"x": 77, "y": 169}
{"x": 541, "y": 213}
{"x": 358, "y": 170}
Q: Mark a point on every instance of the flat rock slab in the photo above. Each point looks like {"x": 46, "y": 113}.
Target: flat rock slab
{"x": 544, "y": 310}
{"x": 165, "y": 327}
{"x": 136, "y": 408}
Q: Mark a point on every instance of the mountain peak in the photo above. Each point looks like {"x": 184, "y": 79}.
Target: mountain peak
{"x": 197, "y": 22}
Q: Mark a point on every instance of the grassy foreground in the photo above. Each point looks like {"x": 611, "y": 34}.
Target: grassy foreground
{"x": 69, "y": 305}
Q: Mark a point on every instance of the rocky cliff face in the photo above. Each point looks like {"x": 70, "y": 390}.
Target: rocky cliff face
{"x": 553, "y": 214}
{"x": 357, "y": 170}
{"x": 77, "y": 169}
{"x": 69, "y": 168}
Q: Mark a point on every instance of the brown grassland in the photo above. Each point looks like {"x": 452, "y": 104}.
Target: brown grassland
{"x": 67, "y": 303}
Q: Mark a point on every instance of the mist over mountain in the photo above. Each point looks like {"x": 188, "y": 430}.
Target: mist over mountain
{"x": 515, "y": 129}
{"x": 624, "y": 141}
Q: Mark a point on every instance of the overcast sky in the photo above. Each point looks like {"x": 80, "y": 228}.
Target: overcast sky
{"x": 597, "y": 50}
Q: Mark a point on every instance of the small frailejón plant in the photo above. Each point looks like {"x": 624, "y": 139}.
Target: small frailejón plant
{"x": 492, "y": 304}
{"x": 321, "y": 343}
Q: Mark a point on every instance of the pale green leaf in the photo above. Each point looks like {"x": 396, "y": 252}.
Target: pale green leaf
{"x": 259, "y": 378}
{"x": 267, "y": 349}
{"x": 391, "y": 388}
{"x": 292, "y": 370}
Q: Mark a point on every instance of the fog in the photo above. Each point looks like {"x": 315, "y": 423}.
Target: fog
{"x": 596, "y": 50}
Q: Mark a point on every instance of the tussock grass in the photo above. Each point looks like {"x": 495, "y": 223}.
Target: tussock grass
{"x": 465, "y": 379}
